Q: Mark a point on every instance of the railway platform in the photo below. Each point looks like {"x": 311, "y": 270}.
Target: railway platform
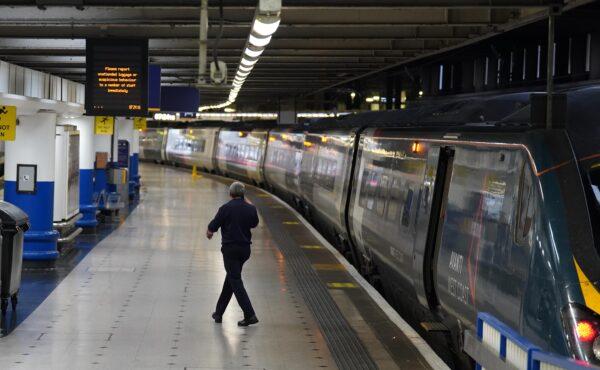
{"x": 143, "y": 296}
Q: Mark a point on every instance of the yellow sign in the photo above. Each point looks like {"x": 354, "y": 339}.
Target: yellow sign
{"x": 104, "y": 125}
{"x": 140, "y": 123}
{"x": 8, "y": 122}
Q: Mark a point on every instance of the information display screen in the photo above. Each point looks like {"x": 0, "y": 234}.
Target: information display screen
{"x": 117, "y": 77}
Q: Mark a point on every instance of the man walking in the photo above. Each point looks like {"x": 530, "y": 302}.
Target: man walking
{"x": 235, "y": 219}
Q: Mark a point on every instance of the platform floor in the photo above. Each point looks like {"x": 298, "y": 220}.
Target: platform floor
{"x": 142, "y": 298}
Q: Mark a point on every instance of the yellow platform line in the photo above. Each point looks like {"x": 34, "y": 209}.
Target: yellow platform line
{"x": 342, "y": 285}
{"x": 291, "y": 223}
{"x": 329, "y": 267}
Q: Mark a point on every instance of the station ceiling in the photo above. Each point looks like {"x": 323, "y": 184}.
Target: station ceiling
{"x": 319, "y": 42}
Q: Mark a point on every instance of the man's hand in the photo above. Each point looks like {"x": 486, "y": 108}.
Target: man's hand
{"x": 209, "y": 234}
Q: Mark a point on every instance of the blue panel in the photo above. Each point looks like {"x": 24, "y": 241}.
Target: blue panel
{"x": 123, "y": 154}
{"x": 179, "y": 99}
{"x": 40, "y": 240}
{"x": 135, "y": 168}
{"x": 87, "y": 207}
{"x": 134, "y": 177}
{"x": 154, "y": 77}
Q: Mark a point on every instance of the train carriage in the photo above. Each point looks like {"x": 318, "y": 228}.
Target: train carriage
{"x": 240, "y": 153}
{"x": 193, "y": 147}
{"x": 283, "y": 161}
{"x": 152, "y": 144}
{"x": 325, "y": 173}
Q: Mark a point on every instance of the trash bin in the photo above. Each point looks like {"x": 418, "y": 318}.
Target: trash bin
{"x": 13, "y": 224}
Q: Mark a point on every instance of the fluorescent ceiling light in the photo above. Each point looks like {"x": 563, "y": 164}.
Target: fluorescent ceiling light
{"x": 253, "y": 53}
{"x": 248, "y": 62}
{"x": 259, "y": 41}
{"x": 265, "y": 29}
{"x": 244, "y": 68}
{"x": 242, "y": 74}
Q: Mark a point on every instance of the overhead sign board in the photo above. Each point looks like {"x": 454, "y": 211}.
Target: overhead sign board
{"x": 8, "y": 123}
{"x": 104, "y": 125}
{"x": 140, "y": 123}
{"x": 117, "y": 77}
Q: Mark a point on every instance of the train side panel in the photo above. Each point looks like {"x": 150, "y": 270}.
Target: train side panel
{"x": 240, "y": 154}
{"x": 151, "y": 144}
{"x": 283, "y": 162}
{"x": 324, "y": 177}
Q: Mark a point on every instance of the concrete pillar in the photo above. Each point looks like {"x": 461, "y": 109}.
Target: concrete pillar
{"x": 34, "y": 145}
{"x": 87, "y": 157}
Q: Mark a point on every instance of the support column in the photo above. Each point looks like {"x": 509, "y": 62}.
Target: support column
{"x": 34, "y": 145}
{"x": 87, "y": 154}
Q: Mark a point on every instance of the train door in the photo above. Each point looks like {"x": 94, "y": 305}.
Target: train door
{"x": 430, "y": 218}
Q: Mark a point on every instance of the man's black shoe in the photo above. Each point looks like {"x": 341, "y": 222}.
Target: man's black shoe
{"x": 218, "y": 319}
{"x": 249, "y": 321}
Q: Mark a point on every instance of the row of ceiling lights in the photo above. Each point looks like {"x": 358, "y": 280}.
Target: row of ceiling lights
{"x": 256, "y": 115}
{"x": 263, "y": 28}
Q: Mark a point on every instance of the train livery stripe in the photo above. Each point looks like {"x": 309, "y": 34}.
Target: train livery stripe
{"x": 543, "y": 172}
{"x": 590, "y": 294}
{"x": 593, "y": 156}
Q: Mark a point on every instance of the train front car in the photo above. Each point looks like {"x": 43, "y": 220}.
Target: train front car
{"x": 581, "y": 317}
{"x": 240, "y": 153}
{"x": 482, "y": 219}
{"x": 192, "y": 147}
{"x": 283, "y": 163}
{"x": 324, "y": 180}
{"x": 152, "y": 144}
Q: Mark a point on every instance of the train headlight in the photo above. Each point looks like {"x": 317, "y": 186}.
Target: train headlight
{"x": 596, "y": 348}
{"x": 582, "y": 331}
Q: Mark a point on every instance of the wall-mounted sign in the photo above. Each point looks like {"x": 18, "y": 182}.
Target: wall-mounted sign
{"x": 104, "y": 125}
{"x": 117, "y": 77}
{"x": 8, "y": 122}
{"x": 140, "y": 123}
{"x": 26, "y": 178}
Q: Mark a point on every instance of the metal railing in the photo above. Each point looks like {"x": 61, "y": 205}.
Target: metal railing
{"x": 499, "y": 347}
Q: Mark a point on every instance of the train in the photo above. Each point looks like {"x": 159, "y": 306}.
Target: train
{"x": 450, "y": 208}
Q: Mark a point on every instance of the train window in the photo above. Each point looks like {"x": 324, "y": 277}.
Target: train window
{"x": 407, "y": 207}
{"x": 371, "y": 188}
{"x": 395, "y": 199}
{"x": 362, "y": 199}
{"x": 382, "y": 195}
{"x": 526, "y": 210}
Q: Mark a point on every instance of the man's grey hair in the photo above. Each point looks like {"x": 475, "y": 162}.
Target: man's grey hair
{"x": 237, "y": 189}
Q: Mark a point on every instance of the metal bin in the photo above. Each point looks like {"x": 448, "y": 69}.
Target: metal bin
{"x": 13, "y": 224}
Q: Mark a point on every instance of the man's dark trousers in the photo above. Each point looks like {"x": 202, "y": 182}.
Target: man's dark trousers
{"x": 234, "y": 257}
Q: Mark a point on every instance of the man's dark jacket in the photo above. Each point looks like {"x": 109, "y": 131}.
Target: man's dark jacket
{"x": 235, "y": 219}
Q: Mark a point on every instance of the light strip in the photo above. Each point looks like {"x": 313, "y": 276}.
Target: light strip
{"x": 267, "y": 115}
{"x": 264, "y": 26}
{"x": 252, "y": 53}
{"x": 265, "y": 29}
{"x": 258, "y": 41}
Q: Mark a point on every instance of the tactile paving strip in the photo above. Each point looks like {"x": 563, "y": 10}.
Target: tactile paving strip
{"x": 345, "y": 346}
